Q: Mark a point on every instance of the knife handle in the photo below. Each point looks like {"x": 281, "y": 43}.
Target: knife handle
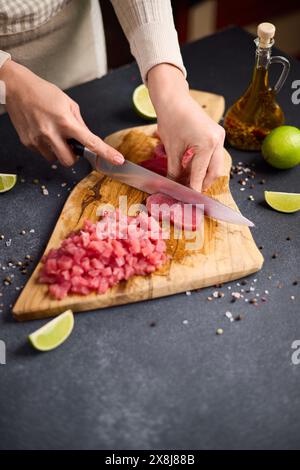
{"x": 82, "y": 151}
{"x": 76, "y": 146}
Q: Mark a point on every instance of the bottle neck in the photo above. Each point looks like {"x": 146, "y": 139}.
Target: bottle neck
{"x": 263, "y": 55}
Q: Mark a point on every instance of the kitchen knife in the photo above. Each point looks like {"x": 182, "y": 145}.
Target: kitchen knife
{"x": 150, "y": 182}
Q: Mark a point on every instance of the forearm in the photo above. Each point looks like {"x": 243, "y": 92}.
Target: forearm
{"x": 166, "y": 83}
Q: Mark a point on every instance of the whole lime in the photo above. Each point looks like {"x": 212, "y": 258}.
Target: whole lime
{"x": 281, "y": 148}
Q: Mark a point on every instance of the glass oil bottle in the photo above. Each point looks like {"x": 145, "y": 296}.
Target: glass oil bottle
{"x": 256, "y": 113}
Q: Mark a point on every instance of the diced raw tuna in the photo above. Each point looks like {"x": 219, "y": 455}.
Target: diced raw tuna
{"x": 97, "y": 264}
{"x": 98, "y": 256}
{"x": 77, "y": 270}
{"x": 59, "y": 291}
{"x": 85, "y": 264}
{"x": 51, "y": 266}
{"x": 65, "y": 275}
{"x": 65, "y": 262}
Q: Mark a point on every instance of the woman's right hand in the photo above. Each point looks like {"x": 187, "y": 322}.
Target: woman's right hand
{"x": 45, "y": 117}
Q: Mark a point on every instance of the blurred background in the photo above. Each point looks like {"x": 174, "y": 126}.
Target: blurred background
{"x": 195, "y": 19}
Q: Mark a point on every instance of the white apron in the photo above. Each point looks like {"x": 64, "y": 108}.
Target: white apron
{"x": 68, "y": 50}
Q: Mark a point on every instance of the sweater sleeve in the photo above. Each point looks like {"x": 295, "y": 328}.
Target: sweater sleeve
{"x": 150, "y": 30}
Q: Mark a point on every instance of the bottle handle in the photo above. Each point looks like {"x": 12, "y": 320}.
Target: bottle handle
{"x": 285, "y": 71}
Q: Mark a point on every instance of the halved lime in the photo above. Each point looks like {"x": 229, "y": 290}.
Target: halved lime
{"x": 54, "y": 333}
{"x": 142, "y": 102}
{"x": 7, "y": 182}
{"x": 283, "y": 202}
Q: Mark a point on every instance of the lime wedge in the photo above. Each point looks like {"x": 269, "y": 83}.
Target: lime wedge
{"x": 283, "y": 202}
{"x": 7, "y": 182}
{"x": 54, "y": 333}
{"x": 142, "y": 102}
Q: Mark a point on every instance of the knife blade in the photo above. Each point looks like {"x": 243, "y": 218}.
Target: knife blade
{"x": 147, "y": 181}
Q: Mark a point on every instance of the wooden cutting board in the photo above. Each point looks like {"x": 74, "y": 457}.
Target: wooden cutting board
{"x": 228, "y": 252}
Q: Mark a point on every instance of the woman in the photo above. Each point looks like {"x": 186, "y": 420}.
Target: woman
{"x": 55, "y": 44}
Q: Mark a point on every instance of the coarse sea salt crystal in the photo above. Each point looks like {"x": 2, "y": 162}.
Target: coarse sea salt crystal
{"x": 236, "y": 295}
{"x": 229, "y": 316}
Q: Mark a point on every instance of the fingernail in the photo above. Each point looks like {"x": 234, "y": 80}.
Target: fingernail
{"x": 118, "y": 159}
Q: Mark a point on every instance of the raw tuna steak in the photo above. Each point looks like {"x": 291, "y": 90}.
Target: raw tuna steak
{"x": 181, "y": 215}
{"x": 103, "y": 254}
{"x": 159, "y": 162}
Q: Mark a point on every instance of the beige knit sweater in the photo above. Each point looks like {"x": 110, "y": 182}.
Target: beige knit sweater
{"x": 150, "y": 30}
{"x": 44, "y": 48}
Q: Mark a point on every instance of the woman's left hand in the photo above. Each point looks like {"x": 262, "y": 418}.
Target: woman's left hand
{"x": 183, "y": 125}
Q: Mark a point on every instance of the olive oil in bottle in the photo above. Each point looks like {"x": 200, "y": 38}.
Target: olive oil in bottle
{"x": 256, "y": 113}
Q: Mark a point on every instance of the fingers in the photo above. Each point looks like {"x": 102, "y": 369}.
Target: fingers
{"x": 187, "y": 157}
{"x": 95, "y": 144}
{"x": 174, "y": 168}
{"x": 63, "y": 152}
{"x": 208, "y": 165}
{"x": 77, "y": 114}
{"x": 215, "y": 168}
{"x": 199, "y": 167}
{"x": 46, "y": 151}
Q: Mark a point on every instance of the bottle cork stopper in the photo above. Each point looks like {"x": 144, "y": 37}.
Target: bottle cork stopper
{"x": 265, "y": 32}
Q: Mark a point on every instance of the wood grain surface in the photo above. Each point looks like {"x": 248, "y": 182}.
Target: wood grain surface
{"x": 227, "y": 251}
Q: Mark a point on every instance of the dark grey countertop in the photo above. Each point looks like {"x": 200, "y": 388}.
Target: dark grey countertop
{"x": 120, "y": 383}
